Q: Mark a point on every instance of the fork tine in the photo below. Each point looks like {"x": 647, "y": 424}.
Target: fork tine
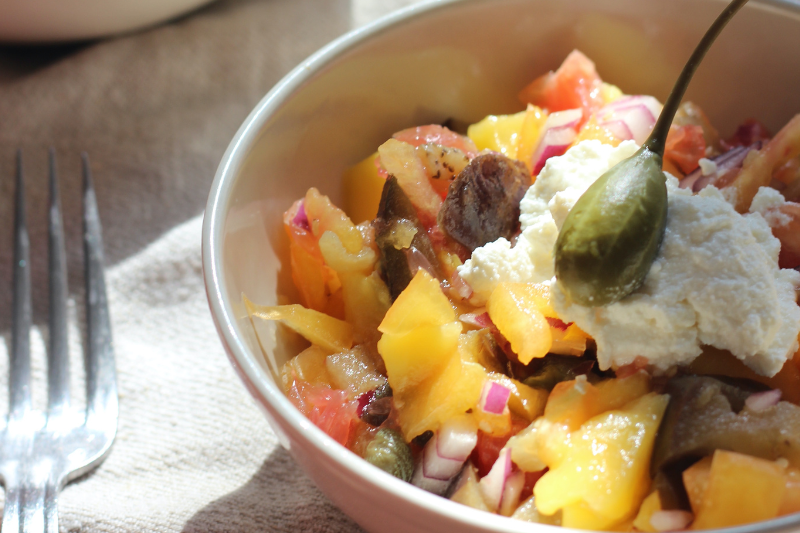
{"x": 101, "y": 380}
{"x": 58, "y": 360}
{"x": 20, "y": 371}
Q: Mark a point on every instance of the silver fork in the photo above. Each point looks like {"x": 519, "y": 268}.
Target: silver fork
{"x": 41, "y": 451}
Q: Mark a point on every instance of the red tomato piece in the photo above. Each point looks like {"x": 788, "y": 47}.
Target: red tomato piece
{"x": 437, "y": 134}
{"x": 575, "y": 85}
{"x": 328, "y": 409}
{"x": 488, "y": 448}
{"x": 749, "y": 132}
{"x": 685, "y": 146}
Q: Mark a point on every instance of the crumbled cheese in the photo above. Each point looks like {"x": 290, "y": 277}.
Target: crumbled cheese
{"x": 768, "y": 202}
{"x": 542, "y": 212}
{"x": 707, "y": 167}
{"x": 716, "y": 281}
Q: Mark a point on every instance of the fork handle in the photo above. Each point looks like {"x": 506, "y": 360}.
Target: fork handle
{"x": 31, "y": 508}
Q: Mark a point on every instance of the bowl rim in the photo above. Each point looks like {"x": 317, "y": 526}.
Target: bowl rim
{"x": 225, "y": 320}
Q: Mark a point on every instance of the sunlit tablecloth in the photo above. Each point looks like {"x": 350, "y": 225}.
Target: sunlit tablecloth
{"x": 155, "y": 110}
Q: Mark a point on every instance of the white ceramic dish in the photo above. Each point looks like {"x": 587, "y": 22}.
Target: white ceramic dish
{"x": 28, "y": 21}
{"x": 436, "y": 60}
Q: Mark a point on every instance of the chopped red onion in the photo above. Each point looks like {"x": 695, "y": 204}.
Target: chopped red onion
{"x": 493, "y": 484}
{"x": 630, "y": 117}
{"x": 557, "y": 323}
{"x": 462, "y": 289}
{"x": 671, "y": 520}
{"x": 301, "y": 218}
{"x": 758, "y": 401}
{"x": 511, "y": 492}
{"x": 477, "y": 319}
{"x": 445, "y": 454}
{"x": 494, "y": 398}
{"x": 417, "y": 260}
{"x": 726, "y": 163}
{"x": 560, "y": 129}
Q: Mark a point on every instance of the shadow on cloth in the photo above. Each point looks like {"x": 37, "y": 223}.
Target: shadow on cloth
{"x": 278, "y": 498}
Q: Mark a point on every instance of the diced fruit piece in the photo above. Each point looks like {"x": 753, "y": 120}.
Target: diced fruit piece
{"x": 493, "y": 424}
{"x": 603, "y": 465}
{"x": 422, "y": 303}
{"x": 594, "y": 131}
{"x": 324, "y": 216}
{"x": 528, "y": 512}
{"x": 513, "y": 309}
{"x": 575, "y": 84}
{"x": 530, "y": 134}
{"x": 445, "y": 394}
{"x": 328, "y": 409}
{"x": 362, "y": 186}
{"x": 791, "y": 496}
{"x": 436, "y": 134}
{"x": 650, "y": 505}
{"x": 572, "y": 403}
{"x": 353, "y": 371}
{"x": 741, "y": 489}
{"x": 695, "y": 479}
{"x": 308, "y": 366}
{"x": 499, "y": 133}
{"x": 580, "y": 516}
{"x": 414, "y": 356}
{"x": 318, "y": 328}
{"x": 313, "y": 279}
{"x": 609, "y": 92}
{"x": 442, "y": 164}
{"x": 685, "y": 146}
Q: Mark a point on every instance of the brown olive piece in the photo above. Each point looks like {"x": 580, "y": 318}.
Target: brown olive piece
{"x": 482, "y": 203}
{"x": 397, "y": 220}
{"x": 706, "y": 414}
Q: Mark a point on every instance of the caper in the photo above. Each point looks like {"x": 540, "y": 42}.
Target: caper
{"x": 611, "y": 237}
{"x": 389, "y": 452}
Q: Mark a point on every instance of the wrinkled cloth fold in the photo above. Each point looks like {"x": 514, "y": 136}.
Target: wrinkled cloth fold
{"x": 155, "y": 111}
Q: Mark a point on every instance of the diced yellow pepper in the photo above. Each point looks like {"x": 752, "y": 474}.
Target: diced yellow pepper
{"x": 318, "y": 328}
{"x": 604, "y": 464}
{"x": 362, "y": 187}
{"x": 650, "y": 505}
{"x": 499, "y": 133}
{"x": 741, "y": 489}
{"x": 514, "y": 310}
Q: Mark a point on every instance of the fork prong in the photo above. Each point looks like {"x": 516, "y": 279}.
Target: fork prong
{"x": 20, "y": 367}
{"x": 58, "y": 357}
{"x": 101, "y": 380}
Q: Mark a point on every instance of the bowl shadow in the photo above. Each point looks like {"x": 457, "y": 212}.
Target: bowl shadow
{"x": 278, "y": 498}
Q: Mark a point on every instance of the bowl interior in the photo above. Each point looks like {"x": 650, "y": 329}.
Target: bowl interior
{"x": 456, "y": 60}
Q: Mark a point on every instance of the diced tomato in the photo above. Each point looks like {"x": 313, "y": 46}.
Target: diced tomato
{"x": 488, "y": 448}
{"x": 328, "y": 409}
{"x": 437, "y": 134}
{"x": 530, "y": 481}
{"x": 574, "y": 85}
{"x": 749, "y": 132}
{"x": 685, "y": 146}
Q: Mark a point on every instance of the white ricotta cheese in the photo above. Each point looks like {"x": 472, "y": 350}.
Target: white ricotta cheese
{"x": 767, "y": 202}
{"x": 715, "y": 281}
{"x": 542, "y": 212}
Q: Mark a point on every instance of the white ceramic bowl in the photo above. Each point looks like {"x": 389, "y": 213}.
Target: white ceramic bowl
{"x": 433, "y": 61}
{"x": 26, "y": 21}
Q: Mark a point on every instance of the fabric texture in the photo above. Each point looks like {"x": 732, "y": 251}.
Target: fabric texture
{"x": 155, "y": 111}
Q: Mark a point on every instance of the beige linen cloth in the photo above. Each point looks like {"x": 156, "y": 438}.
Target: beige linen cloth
{"x": 155, "y": 110}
